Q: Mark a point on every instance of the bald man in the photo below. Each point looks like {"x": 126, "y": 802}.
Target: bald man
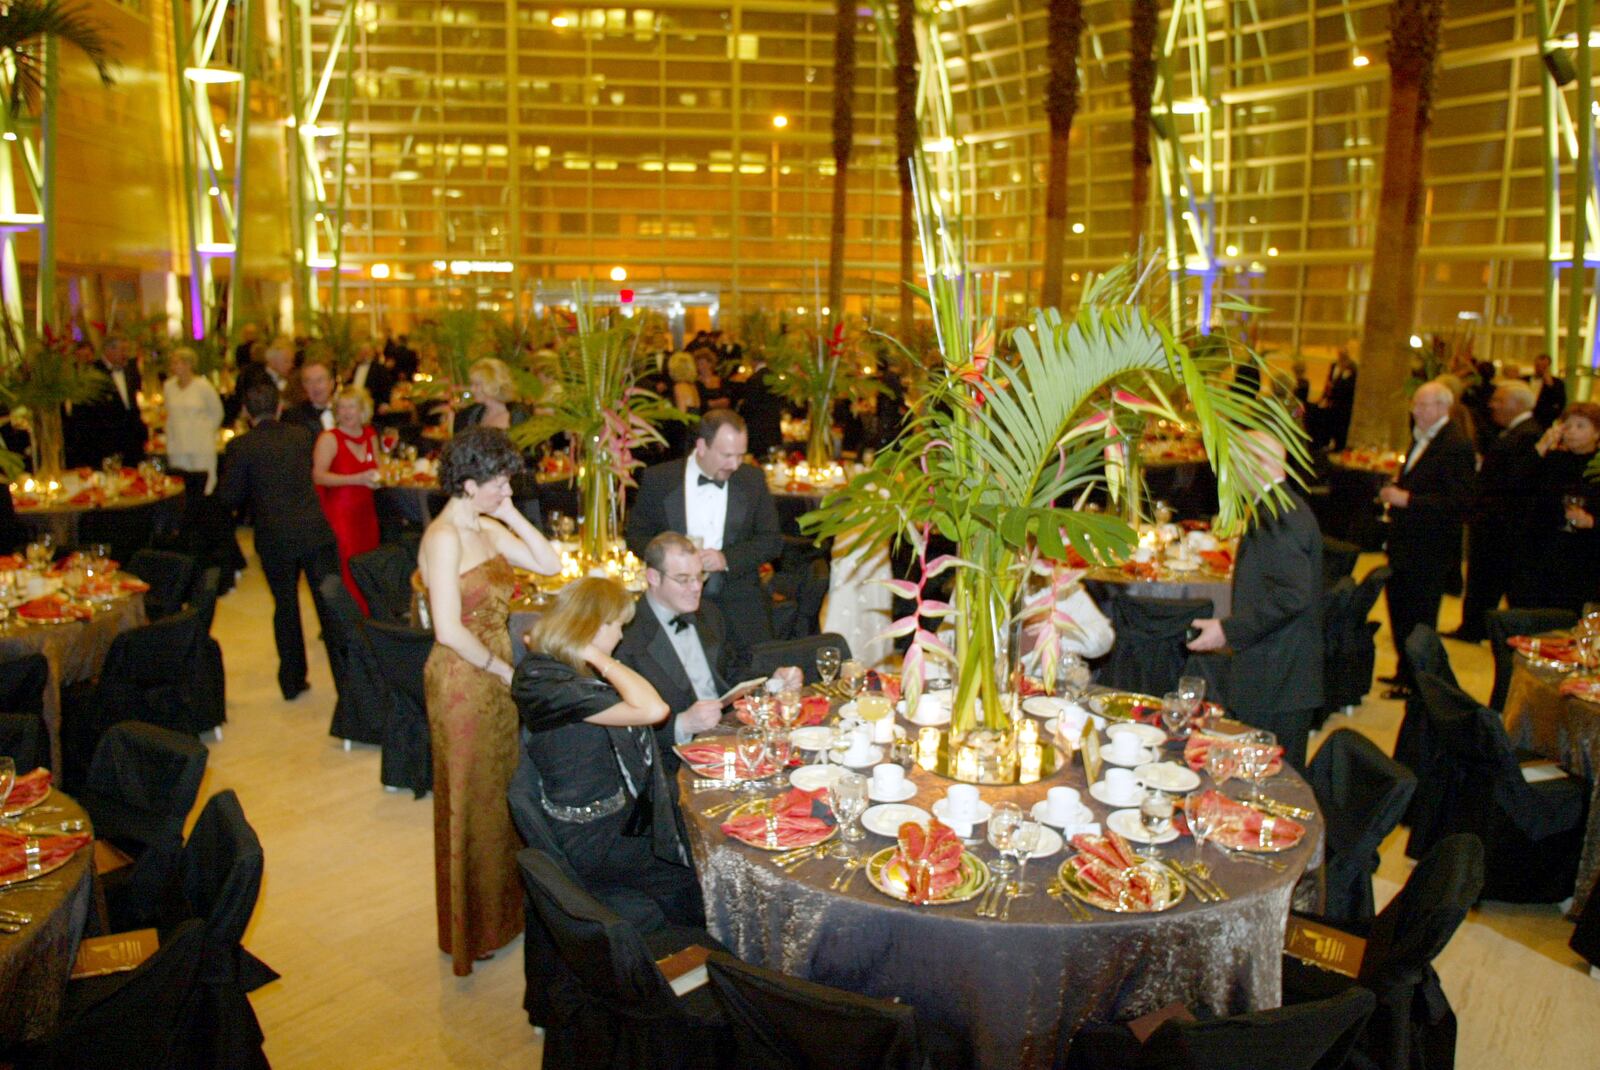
{"x": 1274, "y": 679}
{"x": 1504, "y": 498}
{"x": 1427, "y": 503}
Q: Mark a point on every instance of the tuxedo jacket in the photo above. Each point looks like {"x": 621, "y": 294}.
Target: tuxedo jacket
{"x": 269, "y": 468}
{"x": 105, "y": 426}
{"x": 1426, "y": 534}
{"x": 1275, "y": 630}
{"x": 306, "y": 415}
{"x": 379, "y": 384}
{"x": 646, "y": 649}
{"x": 1507, "y": 491}
{"x": 750, "y": 534}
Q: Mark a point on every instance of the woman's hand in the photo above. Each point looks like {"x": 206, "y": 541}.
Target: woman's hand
{"x": 505, "y": 511}
{"x": 501, "y": 670}
{"x": 1580, "y": 518}
{"x": 597, "y": 658}
{"x": 1549, "y": 440}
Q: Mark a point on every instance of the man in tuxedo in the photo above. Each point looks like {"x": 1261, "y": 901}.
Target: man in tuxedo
{"x": 1551, "y": 401}
{"x": 372, "y": 374}
{"x": 111, "y": 424}
{"x": 1427, "y": 502}
{"x": 269, "y": 468}
{"x": 276, "y": 367}
{"x": 714, "y": 497}
{"x": 315, "y": 413}
{"x": 762, "y": 410}
{"x": 1275, "y": 631}
{"x": 678, "y": 642}
{"x": 1506, "y": 496}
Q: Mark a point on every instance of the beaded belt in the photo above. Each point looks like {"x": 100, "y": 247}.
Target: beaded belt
{"x": 583, "y": 815}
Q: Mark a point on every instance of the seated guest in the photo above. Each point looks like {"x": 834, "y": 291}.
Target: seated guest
{"x": 315, "y": 413}
{"x": 494, "y": 398}
{"x": 1560, "y": 559}
{"x": 588, "y": 719}
{"x": 678, "y": 643}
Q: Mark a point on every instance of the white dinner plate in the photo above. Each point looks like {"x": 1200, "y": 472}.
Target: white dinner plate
{"x": 885, "y": 819}
{"x": 1149, "y": 735}
{"x": 1168, "y": 776}
{"x": 871, "y": 756}
{"x": 1049, "y": 843}
{"x": 1126, "y": 824}
{"x": 1045, "y": 706}
{"x": 938, "y": 715}
{"x": 941, "y": 810}
{"x": 1041, "y": 812}
{"x": 1145, "y": 756}
{"x": 817, "y": 737}
{"x": 1101, "y": 792}
{"x": 812, "y": 777}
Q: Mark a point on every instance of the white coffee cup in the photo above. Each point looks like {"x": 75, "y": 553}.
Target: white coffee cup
{"x": 930, "y": 708}
{"x": 883, "y": 730}
{"x": 1120, "y": 784}
{"x": 888, "y": 780}
{"x": 1073, "y": 718}
{"x": 1125, "y": 747}
{"x": 962, "y": 799}
{"x": 1063, "y": 804}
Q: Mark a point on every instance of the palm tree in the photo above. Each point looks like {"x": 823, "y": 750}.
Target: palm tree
{"x": 1063, "y": 28}
{"x": 23, "y": 26}
{"x": 1141, "y": 91}
{"x": 905, "y": 146}
{"x": 1392, "y": 289}
{"x": 844, "y": 122}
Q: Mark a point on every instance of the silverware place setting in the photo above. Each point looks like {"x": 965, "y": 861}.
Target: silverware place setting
{"x": 1076, "y": 910}
{"x": 842, "y": 881}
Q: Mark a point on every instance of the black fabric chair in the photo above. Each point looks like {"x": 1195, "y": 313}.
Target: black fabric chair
{"x": 212, "y": 677}
{"x": 402, "y": 654}
{"x": 141, "y": 786}
{"x": 1319, "y": 1035}
{"x": 140, "y": 1018}
{"x": 1349, "y": 650}
{"x": 766, "y": 658}
{"x": 25, "y": 739}
{"x": 169, "y": 574}
{"x": 1586, "y": 934}
{"x": 1338, "y": 559}
{"x": 1412, "y": 1027}
{"x": 1532, "y": 833}
{"x": 1502, "y": 624}
{"x": 798, "y": 586}
{"x": 1150, "y": 653}
{"x": 1413, "y": 747}
{"x": 1363, "y": 793}
{"x": 363, "y": 706}
{"x": 22, "y": 682}
{"x": 383, "y": 576}
{"x": 784, "y": 1023}
{"x": 595, "y": 989}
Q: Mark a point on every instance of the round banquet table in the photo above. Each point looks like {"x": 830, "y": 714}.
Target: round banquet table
{"x": 1201, "y": 583}
{"x": 1010, "y": 986}
{"x": 1565, "y": 729}
{"x": 36, "y": 963}
{"x": 127, "y": 523}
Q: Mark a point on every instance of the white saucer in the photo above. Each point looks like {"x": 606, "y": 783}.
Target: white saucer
{"x": 1180, "y": 564}
{"x": 940, "y": 715}
{"x": 1041, "y": 812}
{"x": 1126, "y": 824}
{"x": 1101, "y": 793}
{"x": 941, "y": 810}
{"x": 816, "y": 737}
{"x": 907, "y": 790}
{"x": 886, "y": 818}
{"x": 812, "y": 777}
{"x": 1045, "y": 706}
{"x": 1145, "y": 756}
{"x": 1168, "y": 776}
{"x": 1149, "y": 735}
{"x": 847, "y": 711}
{"x": 873, "y": 756}
{"x": 1050, "y": 842}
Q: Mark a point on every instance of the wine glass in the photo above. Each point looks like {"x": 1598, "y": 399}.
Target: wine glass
{"x": 1256, "y": 753}
{"x": 779, "y": 747}
{"x": 1002, "y": 823}
{"x": 1155, "y": 817}
{"x": 1570, "y": 502}
{"x": 751, "y": 744}
{"x": 8, "y": 779}
{"x": 853, "y": 675}
{"x": 1025, "y": 841}
{"x": 872, "y": 706}
{"x": 1222, "y": 761}
{"x": 1174, "y": 714}
{"x": 1199, "y": 817}
{"x": 1192, "y": 691}
{"x": 761, "y": 706}
{"x": 848, "y": 797}
{"x": 790, "y": 707}
{"x": 1072, "y": 676}
{"x": 828, "y": 663}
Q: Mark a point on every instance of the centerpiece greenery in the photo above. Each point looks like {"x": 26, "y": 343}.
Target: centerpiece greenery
{"x": 47, "y": 377}
{"x": 811, "y": 370}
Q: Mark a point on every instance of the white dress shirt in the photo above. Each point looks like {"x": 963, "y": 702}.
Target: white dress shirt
{"x": 360, "y": 376}
{"x": 705, "y": 507}
{"x": 120, "y": 378}
{"x": 691, "y": 655}
{"x": 1423, "y": 436}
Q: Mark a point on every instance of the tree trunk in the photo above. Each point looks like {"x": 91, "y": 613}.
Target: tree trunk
{"x": 844, "y": 88}
{"x": 1379, "y": 417}
{"x": 1063, "y": 28}
{"x": 905, "y": 138}
{"x": 1141, "y": 91}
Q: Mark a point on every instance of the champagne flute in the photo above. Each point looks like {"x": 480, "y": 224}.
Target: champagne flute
{"x": 751, "y": 744}
{"x": 1002, "y": 823}
{"x": 828, "y": 663}
{"x": 1025, "y": 841}
{"x": 1199, "y": 816}
{"x": 1155, "y": 817}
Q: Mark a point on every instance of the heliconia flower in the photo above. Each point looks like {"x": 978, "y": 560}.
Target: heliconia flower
{"x": 1128, "y": 398}
{"x": 904, "y": 626}
{"x": 933, "y": 642}
{"x": 942, "y": 563}
{"x": 933, "y": 607}
{"x": 904, "y": 588}
{"x": 912, "y": 668}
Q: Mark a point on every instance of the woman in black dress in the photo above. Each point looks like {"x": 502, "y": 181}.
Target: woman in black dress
{"x": 1562, "y": 566}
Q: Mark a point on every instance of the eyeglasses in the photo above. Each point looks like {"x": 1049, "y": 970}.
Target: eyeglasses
{"x": 696, "y": 579}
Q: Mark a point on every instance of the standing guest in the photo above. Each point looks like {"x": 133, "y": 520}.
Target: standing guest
{"x": 715, "y": 392}
{"x": 110, "y": 425}
{"x": 315, "y": 413}
{"x": 1302, "y": 386}
{"x": 1337, "y": 402}
{"x": 761, "y": 408}
{"x": 1552, "y": 392}
{"x": 276, "y": 367}
{"x": 494, "y": 394}
{"x": 404, "y": 360}
{"x": 1275, "y": 630}
{"x": 1560, "y": 559}
{"x": 1504, "y": 497}
{"x": 1426, "y": 503}
{"x": 685, "y": 391}
{"x": 466, "y": 559}
{"x": 372, "y": 375}
{"x": 344, "y": 467}
{"x": 247, "y": 340}
{"x": 604, "y": 785}
{"x": 269, "y": 469}
{"x": 723, "y": 504}
{"x": 194, "y": 414}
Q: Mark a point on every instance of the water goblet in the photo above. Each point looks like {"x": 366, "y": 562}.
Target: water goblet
{"x": 751, "y": 744}
{"x": 1002, "y": 823}
{"x": 1199, "y": 816}
{"x": 790, "y": 707}
{"x": 1155, "y": 817}
{"x": 1192, "y": 690}
{"x": 848, "y": 796}
{"x": 1222, "y": 761}
{"x": 1072, "y": 676}
{"x": 780, "y": 748}
{"x": 1256, "y": 754}
{"x": 762, "y": 707}
{"x": 1026, "y": 839}
{"x": 853, "y": 675}
{"x": 1174, "y": 714}
{"x": 828, "y": 663}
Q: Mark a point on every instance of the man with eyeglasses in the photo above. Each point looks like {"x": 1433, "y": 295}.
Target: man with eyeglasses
{"x": 678, "y": 642}
{"x": 724, "y": 507}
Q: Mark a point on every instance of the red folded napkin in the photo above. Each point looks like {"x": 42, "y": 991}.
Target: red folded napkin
{"x": 707, "y": 760}
{"x": 52, "y": 849}
{"x": 930, "y": 860}
{"x": 50, "y": 607}
{"x": 23, "y": 501}
{"x": 1199, "y": 745}
{"x": 1234, "y": 824}
{"x": 133, "y": 585}
{"x": 87, "y": 497}
{"x": 803, "y": 819}
{"x": 1551, "y": 648}
{"x": 11, "y": 562}
{"x": 1109, "y": 866}
{"x": 1219, "y": 560}
{"x": 136, "y": 487}
{"x": 1585, "y": 687}
{"x": 29, "y": 788}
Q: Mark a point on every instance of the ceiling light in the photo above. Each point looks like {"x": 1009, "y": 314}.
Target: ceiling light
{"x": 1077, "y": 228}
{"x": 619, "y": 274}
{"x": 1232, "y": 250}
{"x": 1359, "y": 60}
{"x": 405, "y": 174}
{"x": 780, "y": 121}
{"x": 379, "y": 271}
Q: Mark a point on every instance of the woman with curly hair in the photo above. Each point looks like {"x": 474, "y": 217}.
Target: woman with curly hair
{"x": 466, "y": 559}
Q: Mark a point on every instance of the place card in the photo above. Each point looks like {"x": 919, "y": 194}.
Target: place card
{"x": 100, "y": 955}
{"x": 1324, "y": 946}
{"x": 1089, "y": 747}
{"x": 685, "y": 970}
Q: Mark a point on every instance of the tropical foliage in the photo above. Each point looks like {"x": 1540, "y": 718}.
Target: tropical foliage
{"x": 24, "y": 26}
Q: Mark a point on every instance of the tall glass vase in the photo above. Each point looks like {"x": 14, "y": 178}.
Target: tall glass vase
{"x": 48, "y": 446}
{"x": 601, "y": 507}
{"x": 819, "y": 440}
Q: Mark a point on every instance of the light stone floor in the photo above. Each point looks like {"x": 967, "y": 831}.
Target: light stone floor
{"x": 346, "y": 912}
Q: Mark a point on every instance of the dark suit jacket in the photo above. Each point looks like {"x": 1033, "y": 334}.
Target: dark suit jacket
{"x": 305, "y": 415}
{"x": 762, "y": 410}
{"x": 1426, "y": 534}
{"x": 269, "y": 468}
{"x": 750, "y": 534}
{"x": 380, "y": 383}
{"x": 1508, "y": 483}
{"x": 100, "y": 428}
{"x": 646, "y": 649}
{"x": 1550, "y": 403}
{"x": 1276, "y": 627}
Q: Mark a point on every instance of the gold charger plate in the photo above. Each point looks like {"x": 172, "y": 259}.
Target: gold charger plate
{"x": 25, "y": 875}
{"x": 1118, "y": 705}
{"x": 974, "y": 878}
{"x": 12, "y": 809}
{"x": 1082, "y": 890}
{"x": 755, "y": 806}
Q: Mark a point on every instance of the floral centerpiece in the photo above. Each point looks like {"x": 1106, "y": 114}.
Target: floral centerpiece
{"x": 810, "y": 370}
{"x": 46, "y": 377}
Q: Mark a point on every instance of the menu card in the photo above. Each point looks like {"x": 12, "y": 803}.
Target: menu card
{"x": 1324, "y": 946}
{"x": 98, "y": 955}
{"x": 685, "y": 970}
{"x": 1090, "y": 748}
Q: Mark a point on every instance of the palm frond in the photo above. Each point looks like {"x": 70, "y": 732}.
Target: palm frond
{"x": 23, "y": 26}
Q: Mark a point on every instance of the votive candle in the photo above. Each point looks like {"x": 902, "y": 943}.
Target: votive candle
{"x": 966, "y": 764}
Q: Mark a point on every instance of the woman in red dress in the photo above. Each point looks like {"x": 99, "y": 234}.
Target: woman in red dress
{"x": 345, "y": 470}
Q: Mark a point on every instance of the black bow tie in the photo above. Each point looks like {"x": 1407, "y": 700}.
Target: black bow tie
{"x": 718, "y": 483}
{"x": 680, "y": 622}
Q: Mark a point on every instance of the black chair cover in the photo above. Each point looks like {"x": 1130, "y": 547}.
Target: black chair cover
{"x": 767, "y": 658}
{"x": 22, "y": 683}
{"x": 363, "y": 706}
{"x": 134, "y": 1019}
{"x": 1532, "y": 833}
{"x": 169, "y": 575}
{"x": 1412, "y": 1027}
{"x": 401, "y": 654}
{"x": 1150, "y": 653}
{"x": 798, "y": 587}
{"x": 203, "y": 597}
{"x": 784, "y": 1023}
{"x": 1412, "y": 747}
{"x": 1502, "y": 624}
{"x": 1349, "y": 650}
{"x": 1363, "y": 793}
{"x": 25, "y": 739}
{"x": 600, "y": 998}
{"x": 383, "y": 576}
{"x": 1338, "y": 559}
{"x": 1586, "y": 935}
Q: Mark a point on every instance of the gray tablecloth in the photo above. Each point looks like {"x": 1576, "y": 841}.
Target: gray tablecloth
{"x": 1203, "y": 584}
{"x": 1566, "y": 730}
{"x": 1010, "y": 986}
{"x": 36, "y": 962}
